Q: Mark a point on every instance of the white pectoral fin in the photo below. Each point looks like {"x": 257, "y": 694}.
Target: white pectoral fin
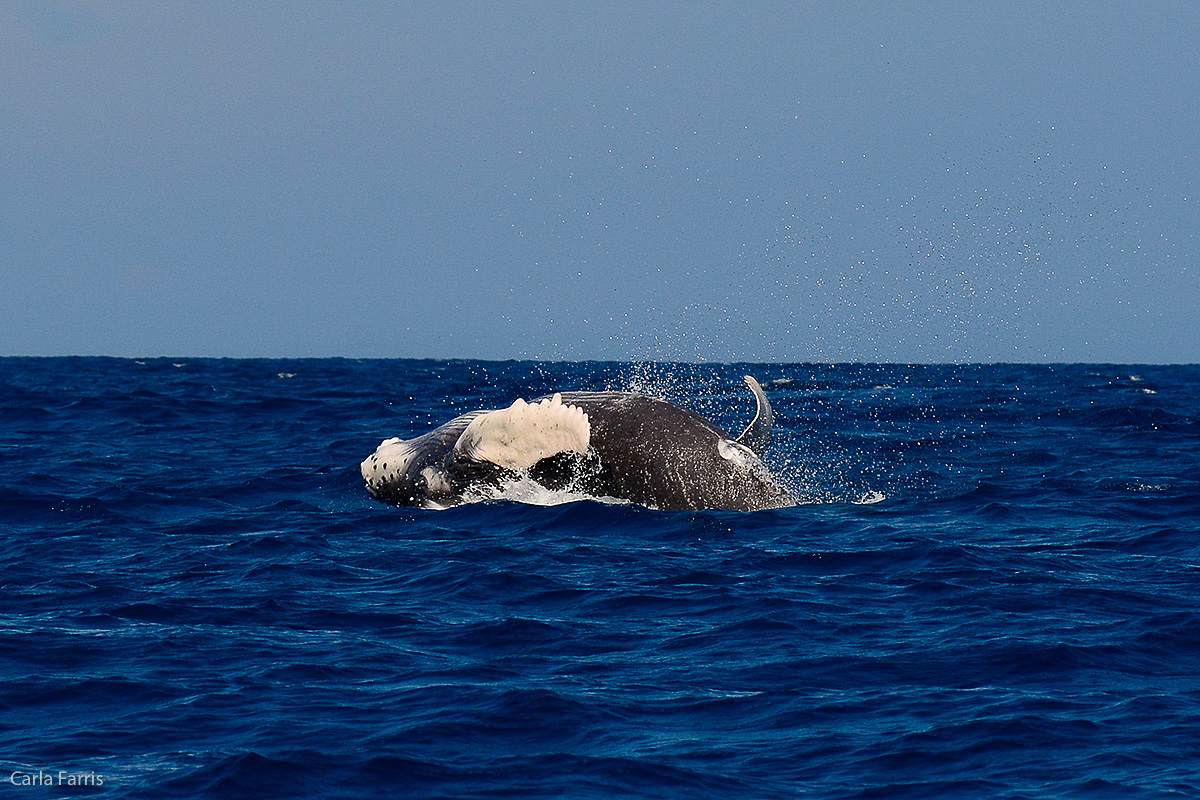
{"x": 523, "y": 434}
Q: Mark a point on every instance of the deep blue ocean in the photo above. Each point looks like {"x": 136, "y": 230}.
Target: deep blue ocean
{"x": 990, "y": 590}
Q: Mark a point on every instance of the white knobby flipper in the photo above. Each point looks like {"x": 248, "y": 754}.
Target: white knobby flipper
{"x": 523, "y": 434}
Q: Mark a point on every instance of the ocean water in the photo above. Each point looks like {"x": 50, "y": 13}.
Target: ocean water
{"x": 991, "y": 589}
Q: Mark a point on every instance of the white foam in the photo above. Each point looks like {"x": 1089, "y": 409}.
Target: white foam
{"x": 524, "y": 489}
{"x": 523, "y": 434}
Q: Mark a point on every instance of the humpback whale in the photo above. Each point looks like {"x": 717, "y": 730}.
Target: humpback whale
{"x": 620, "y": 445}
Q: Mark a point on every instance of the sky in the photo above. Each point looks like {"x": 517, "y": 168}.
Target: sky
{"x": 770, "y": 182}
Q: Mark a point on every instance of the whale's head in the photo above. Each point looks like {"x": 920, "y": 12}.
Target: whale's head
{"x": 388, "y": 472}
{"x": 423, "y": 471}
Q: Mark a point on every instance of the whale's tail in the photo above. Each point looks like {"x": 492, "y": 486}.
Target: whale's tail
{"x": 758, "y": 433}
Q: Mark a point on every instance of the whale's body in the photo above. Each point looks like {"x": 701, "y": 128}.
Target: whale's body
{"x": 605, "y": 444}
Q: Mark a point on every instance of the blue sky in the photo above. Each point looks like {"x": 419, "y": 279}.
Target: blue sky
{"x": 912, "y": 182}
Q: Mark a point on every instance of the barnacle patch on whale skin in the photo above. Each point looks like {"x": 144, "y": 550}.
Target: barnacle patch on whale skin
{"x": 523, "y": 434}
{"x": 436, "y": 482}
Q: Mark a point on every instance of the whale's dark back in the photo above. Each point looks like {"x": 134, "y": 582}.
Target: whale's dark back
{"x": 660, "y": 455}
